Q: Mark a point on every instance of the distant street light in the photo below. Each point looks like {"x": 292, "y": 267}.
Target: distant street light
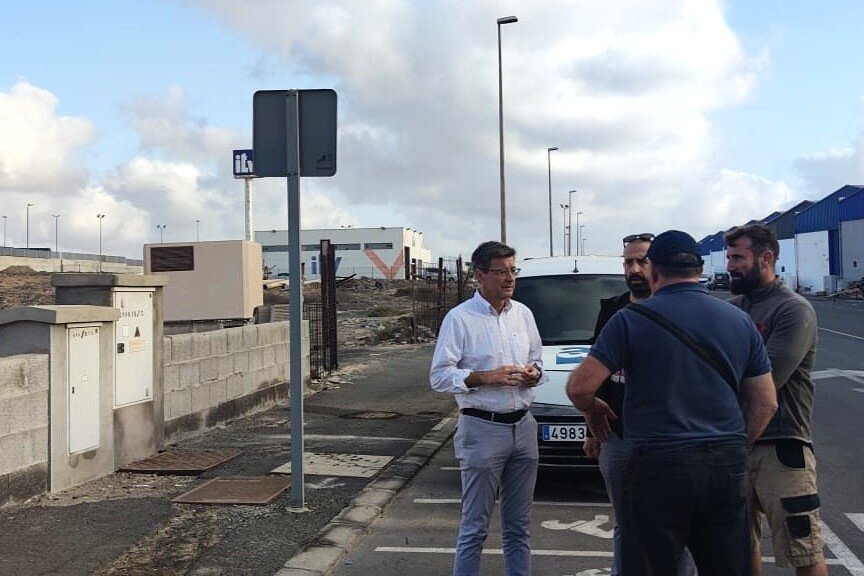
{"x": 582, "y": 241}
{"x": 549, "y": 165}
{"x": 578, "y": 232}
{"x": 100, "y": 217}
{"x": 5, "y": 218}
{"x": 570, "y": 227}
{"x": 161, "y": 228}
{"x": 565, "y": 207}
{"x": 583, "y": 245}
{"x": 27, "y": 227}
{"x": 56, "y": 233}
{"x": 197, "y": 230}
{"x": 504, "y": 20}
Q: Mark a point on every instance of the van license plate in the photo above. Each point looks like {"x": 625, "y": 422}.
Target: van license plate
{"x": 564, "y": 433}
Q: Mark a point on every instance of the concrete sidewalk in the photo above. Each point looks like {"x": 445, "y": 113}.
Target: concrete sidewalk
{"x": 125, "y": 524}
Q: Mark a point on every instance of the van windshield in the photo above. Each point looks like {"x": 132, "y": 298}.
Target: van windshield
{"x": 565, "y": 307}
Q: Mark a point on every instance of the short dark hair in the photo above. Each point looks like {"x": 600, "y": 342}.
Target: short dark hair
{"x": 482, "y": 257}
{"x": 762, "y": 239}
{"x": 682, "y": 265}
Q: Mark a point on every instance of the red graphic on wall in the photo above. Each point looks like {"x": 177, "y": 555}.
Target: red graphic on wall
{"x": 389, "y": 272}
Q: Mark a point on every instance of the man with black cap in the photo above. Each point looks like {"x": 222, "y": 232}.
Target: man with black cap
{"x": 698, "y": 390}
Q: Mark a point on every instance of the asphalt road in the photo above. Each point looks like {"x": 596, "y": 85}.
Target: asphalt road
{"x": 570, "y": 524}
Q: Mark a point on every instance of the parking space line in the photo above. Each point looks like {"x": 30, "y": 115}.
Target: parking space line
{"x": 844, "y": 555}
{"x": 441, "y": 424}
{"x": 536, "y": 503}
{"x": 450, "y": 468}
{"x": 841, "y": 333}
{"x": 344, "y": 437}
{"x": 857, "y": 519}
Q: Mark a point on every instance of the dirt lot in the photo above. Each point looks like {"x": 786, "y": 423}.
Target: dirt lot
{"x": 369, "y": 311}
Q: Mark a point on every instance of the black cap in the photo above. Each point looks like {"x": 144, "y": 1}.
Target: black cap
{"x": 671, "y": 243}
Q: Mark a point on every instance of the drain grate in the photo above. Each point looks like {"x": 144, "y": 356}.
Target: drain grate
{"x": 236, "y": 490}
{"x": 182, "y": 462}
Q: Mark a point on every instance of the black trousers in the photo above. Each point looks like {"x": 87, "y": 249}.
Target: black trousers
{"x": 693, "y": 497}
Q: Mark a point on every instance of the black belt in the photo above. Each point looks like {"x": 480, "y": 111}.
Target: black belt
{"x": 503, "y": 417}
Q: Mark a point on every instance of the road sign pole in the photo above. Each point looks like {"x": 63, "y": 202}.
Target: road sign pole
{"x": 248, "y": 205}
{"x": 292, "y": 115}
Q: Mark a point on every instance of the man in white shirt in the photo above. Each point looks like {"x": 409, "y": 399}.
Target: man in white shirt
{"x": 489, "y": 356}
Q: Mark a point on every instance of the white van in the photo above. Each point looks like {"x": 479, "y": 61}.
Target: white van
{"x": 564, "y": 295}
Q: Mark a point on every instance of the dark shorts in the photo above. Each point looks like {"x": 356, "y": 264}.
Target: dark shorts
{"x": 692, "y": 497}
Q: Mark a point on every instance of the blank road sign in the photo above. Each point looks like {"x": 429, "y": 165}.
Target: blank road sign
{"x": 316, "y": 126}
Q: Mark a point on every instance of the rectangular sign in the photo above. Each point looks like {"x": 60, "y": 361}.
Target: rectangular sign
{"x": 316, "y": 126}
{"x": 244, "y": 166}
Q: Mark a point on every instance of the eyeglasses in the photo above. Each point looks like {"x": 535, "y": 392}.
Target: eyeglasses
{"x": 503, "y": 272}
{"x": 640, "y": 261}
{"x": 644, "y": 237}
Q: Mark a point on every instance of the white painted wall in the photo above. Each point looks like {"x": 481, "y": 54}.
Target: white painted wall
{"x": 369, "y": 252}
{"x": 852, "y": 249}
{"x": 715, "y": 263}
{"x": 787, "y": 263}
{"x": 812, "y": 258}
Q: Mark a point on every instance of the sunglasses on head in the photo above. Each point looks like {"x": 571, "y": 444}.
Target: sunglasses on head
{"x": 644, "y": 237}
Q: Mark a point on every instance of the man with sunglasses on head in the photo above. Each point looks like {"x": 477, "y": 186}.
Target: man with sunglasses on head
{"x": 698, "y": 390}
{"x": 614, "y": 453}
{"x": 489, "y": 356}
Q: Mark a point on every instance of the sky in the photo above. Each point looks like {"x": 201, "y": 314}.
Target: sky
{"x": 689, "y": 114}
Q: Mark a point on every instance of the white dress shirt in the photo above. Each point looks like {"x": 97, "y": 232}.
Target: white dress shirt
{"x": 474, "y": 336}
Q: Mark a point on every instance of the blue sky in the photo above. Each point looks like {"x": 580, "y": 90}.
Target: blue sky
{"x": 691, "y": 114}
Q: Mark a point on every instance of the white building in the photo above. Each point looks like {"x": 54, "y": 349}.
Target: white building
{"x": 369, "y": 252}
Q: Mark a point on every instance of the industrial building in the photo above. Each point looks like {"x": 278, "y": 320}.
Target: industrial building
{"x": 381, "y": 252}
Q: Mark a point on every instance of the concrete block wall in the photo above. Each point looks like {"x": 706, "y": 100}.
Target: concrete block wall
{"x": 212, "y": 377}
{"x": 23, "y": 426}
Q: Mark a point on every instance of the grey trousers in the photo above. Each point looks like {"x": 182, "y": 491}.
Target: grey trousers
{"x": 614, "y": 456}
{"x": 496, "y": 461}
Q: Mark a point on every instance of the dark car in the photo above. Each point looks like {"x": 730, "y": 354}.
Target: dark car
{"x": 719, "y": 281}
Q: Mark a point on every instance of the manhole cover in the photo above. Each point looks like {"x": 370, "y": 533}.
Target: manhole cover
{"x": 373, "y": 415}
{"x": 182, "y": 461}
{"x": 236, "y": 490}
{"x": 351, "y": 465}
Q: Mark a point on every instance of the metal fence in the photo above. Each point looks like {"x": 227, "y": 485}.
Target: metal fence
{"x": 434, "y": 291}
{"x": 50, "y": 254}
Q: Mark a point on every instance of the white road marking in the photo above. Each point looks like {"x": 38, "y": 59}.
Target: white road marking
{"x": 841, "y": 333}
{"x": 343, "y": 437}
{"x": 589, "y": 527}
{"x": 857, "y": 519}
{"x": 325, "y": 484}
{"x": 441, "y": 424}
{"x": 558, "y": 553}
{"x": 823, "y": 374}
{"x": 536, "y": 503}
{"x": 593, "y": 572}
{"x": 844, "y": 555}
{"x": 450, "y": 468}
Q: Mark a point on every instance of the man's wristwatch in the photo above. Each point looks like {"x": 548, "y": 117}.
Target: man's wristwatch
{"x": 539, "y": 370}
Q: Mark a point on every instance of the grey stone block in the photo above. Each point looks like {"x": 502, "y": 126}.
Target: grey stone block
{"x": 181, "y": 347}
{"x": 235, "y": 339}
{"x": 241, "y": 362}
{"x": 201, "y": 345}
{"x": 235, "y": 386}
{"x": 358, "y": 515}
{"x": 171, "y": 375}
{"x": 14, "y": 450}
{"x": 219, "y": 342}
{"x": 225, "y": 366}
{"x": 264, "y": 334}
{"x": 270, "y": 355}
{"x": 250, "y": 337}
{"x": 218, "y": 391}
{"x": 166, "y": 350}
{"x": 180, "y": 403}
{"x": 209, "y": 369}
{"x": 190, "y": 374}
{"x": 200, "y": 397}
{"x": 256, "y": 358}
{"x": 314, "y": 561}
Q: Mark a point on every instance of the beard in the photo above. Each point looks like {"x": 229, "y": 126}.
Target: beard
{"x": 744, "y": 283}
{"x": 638, "y": 285}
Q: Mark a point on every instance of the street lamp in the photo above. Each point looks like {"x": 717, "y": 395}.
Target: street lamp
{"x": 570, "y": 236}
{"x": 549, "y": 165}
{"x": 504, "y": 20}
{"x": 583, "y": 245}
{"x": 100, "y": 217}
{"x": 5, "y": 218}
{"x": 565, "y": 207}
{"x": 27, "y": 227}
{"x": 582, "y": 241}
{"x": 197, "y": 230}
{"x": 161, "y": 228}
{"x": 56, "y": 233}
{"x": 578, "y": 232}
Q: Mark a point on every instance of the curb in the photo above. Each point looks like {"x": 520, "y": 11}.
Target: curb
{"x": 344, "y": 530}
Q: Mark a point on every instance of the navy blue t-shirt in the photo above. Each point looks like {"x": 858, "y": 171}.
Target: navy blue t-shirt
{"x": 672, "y": 397}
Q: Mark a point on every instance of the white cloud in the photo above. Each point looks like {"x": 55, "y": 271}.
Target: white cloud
{"x": 35, "y": 144}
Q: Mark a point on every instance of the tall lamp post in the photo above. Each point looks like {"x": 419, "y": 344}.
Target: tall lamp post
{"x": 56, "y": 233}
{"x": 504, "y": 20}
{"x": 100, "y": 217}
{"x": 549, "y": 166}
{"x": 565, "y": 207}
{"x": 570, "y": 235}
{"x": 197, "y": 230}
{"x": 27, "y": 227}
{"x": 5, "y": 218}
{"x": 161, "y": 228}
{"x": 583, "y": 245}
{"x": 578, "y": 232}
{"x": 582, "y": 239}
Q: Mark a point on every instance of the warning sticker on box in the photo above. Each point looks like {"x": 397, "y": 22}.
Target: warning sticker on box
{"x": 137, "y": 345}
